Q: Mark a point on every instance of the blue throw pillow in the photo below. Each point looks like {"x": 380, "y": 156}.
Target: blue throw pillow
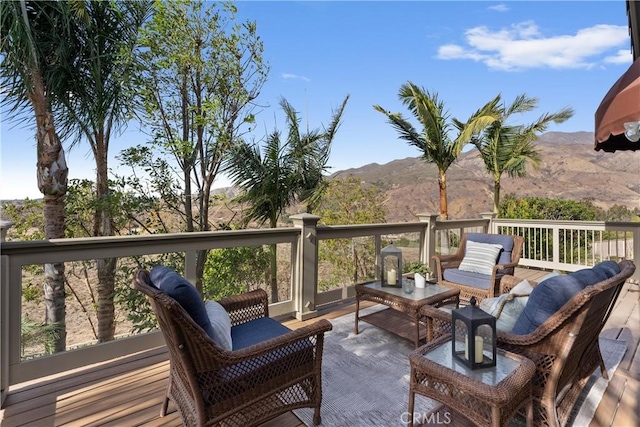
{"x": 608, "y": 268}
{"x": 550, "y": 295}
{"x": 178, "y": 288}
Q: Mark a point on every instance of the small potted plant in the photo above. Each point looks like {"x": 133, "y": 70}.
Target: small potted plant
{"x": 421, "y": 272}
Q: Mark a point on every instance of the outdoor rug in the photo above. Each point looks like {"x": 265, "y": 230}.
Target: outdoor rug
{"x": 365, "y": 378}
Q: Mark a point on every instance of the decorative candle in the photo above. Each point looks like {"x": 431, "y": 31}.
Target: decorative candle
{"x": 466, "y": 347}
{"x": 479, "y": 345}
{"x": 391, "y": 277}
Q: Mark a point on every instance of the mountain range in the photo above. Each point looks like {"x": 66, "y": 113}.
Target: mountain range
{"x": 570, "y": 169}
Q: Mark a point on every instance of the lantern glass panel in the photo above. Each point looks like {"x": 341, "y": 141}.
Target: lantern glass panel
{"x": 391, "y": 266}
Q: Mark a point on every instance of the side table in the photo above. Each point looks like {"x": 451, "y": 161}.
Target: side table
{"x": 486, "y": 397}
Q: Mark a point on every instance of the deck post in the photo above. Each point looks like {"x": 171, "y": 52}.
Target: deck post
{"x": 636, "y": 253}
{"x": 4, "y": 316}
{"x": 305, "y": 266}
{"x": 490, "y": 227}
{"x": 428, "y": 239}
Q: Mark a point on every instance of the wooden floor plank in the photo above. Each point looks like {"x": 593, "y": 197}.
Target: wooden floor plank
{"x": 608, "y": 406}
{"x": 629, "y": 408}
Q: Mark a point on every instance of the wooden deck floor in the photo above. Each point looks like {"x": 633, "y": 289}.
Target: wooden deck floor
{"x": 128, "y": 391}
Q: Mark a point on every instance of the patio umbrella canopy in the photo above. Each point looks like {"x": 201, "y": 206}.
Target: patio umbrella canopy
{"x": 619, "y": 106}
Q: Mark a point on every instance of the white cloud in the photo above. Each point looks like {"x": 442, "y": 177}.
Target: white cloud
{"x": 524, "y": 46}
{"x": 623, "y": 56}
{"x": 287, "y": 76}
{"x": 500, "y": 7}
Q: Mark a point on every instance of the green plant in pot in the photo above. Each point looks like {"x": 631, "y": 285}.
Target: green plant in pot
{"x": 418, "y": 269}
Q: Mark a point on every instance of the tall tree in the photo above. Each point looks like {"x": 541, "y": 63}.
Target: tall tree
{"x": 283, "y": 174}
{"x": 35, "y": 65}
{"x": 200, "y": 75}
{"x": 350, "y": 201}
{"x": 506, "y": 148}
{"x": 98, "y": 105}
{"x": 435, "y": 140}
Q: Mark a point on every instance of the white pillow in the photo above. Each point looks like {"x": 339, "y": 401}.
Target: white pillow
{"x": 221, "y": 324}
{"x": 507, "y": 307}
{"x": 480, "y": 257}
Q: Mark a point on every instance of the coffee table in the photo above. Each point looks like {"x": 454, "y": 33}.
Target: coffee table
{"x": 486, "y": 397}
{"x": 403, "y": 315}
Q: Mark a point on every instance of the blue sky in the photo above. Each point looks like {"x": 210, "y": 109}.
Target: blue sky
{"x": 564, "y": 53}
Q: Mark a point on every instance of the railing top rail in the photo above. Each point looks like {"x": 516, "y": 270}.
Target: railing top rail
{"x": 60, "y": 250}
{"x": 460, "y": 223}
{"x": 358, "y": 230}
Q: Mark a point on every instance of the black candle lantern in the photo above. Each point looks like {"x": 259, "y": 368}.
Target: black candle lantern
{"x": 474, "y": 330}
{"x": 391, "y": 266}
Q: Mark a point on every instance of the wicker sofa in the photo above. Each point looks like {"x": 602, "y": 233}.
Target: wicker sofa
{"x": 269, "y": 371}
{"x": 473, "y": 284}
{"x": 564, "y": 347}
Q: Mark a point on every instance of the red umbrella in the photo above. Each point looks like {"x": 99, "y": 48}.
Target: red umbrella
{"x": 619, "y": 106}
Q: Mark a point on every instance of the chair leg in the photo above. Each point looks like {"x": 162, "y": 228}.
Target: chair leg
{"x": 163, "y": 408}
{"x": 317, "y": 419}
{"x": 165, "y": 403}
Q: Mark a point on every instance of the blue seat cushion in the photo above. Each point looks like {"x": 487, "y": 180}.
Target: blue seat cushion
{"x": 185, "y": 294}
{"x": 549, "y": 296}
{"x": 256, "y": 331}
{"x": 468, "y": 278}
{"x": 503, "y": 240}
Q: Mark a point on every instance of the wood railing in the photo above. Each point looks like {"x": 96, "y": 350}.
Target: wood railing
{"x": 564, "y": 245}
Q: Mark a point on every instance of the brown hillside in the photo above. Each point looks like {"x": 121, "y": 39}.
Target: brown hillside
{"x": 570, "y": 169}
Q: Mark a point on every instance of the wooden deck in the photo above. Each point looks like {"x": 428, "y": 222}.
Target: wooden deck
{"x": 128, "y": 391}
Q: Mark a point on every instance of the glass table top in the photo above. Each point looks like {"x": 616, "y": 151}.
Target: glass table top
{"x": 429, "y": 290}
{"x": 490, "y": 376}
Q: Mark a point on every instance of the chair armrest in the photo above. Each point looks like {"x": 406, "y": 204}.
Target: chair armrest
{"x": 508, "y": 282}
{"x": 438, "y": 321}
{"x": 246, "y": 307}
{"x": 499, "y": 267}
{"x": 446, "y": 258}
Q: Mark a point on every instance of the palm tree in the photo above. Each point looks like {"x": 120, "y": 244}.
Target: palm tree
{"x": 507, "y": 148}
{"x": 34, "y": 66}
{"x": 435, "y": 140}
{"x": 98, "y": 105}
{"x": 286, "y": 172}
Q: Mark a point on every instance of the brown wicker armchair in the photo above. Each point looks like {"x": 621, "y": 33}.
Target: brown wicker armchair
{"x": 245, "y": 387}
{"x": 475, "y": 284}
{"x": 565, "y": 348}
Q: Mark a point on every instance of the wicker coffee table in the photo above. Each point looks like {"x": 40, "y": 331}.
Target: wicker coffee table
{"x": 486, "y": 397}
{"x": 403, "y": 315}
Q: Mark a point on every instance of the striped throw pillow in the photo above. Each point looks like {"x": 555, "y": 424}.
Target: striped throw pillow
{"x": 480, "y": 257}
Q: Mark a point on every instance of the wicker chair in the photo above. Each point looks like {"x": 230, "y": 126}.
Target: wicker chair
{"x": 245, "y": 387}
{"x": 475, "y": 284}
{"x": 565, "y": 348}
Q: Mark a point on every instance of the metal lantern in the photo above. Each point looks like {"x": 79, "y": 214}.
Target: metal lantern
{"x": 474, "y": 336}
{"x": 391, "y": 266}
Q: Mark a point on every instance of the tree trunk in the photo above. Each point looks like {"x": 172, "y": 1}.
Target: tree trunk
{"x": 201, "y": 259}
{"x": 496, "y": 195}
{"x": 52, "y": 182}
{"x": 103, "y": 226}
{"x": 442, "y": 183}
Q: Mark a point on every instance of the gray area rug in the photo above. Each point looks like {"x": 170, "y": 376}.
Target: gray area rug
{"x": 365, "y": 378}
